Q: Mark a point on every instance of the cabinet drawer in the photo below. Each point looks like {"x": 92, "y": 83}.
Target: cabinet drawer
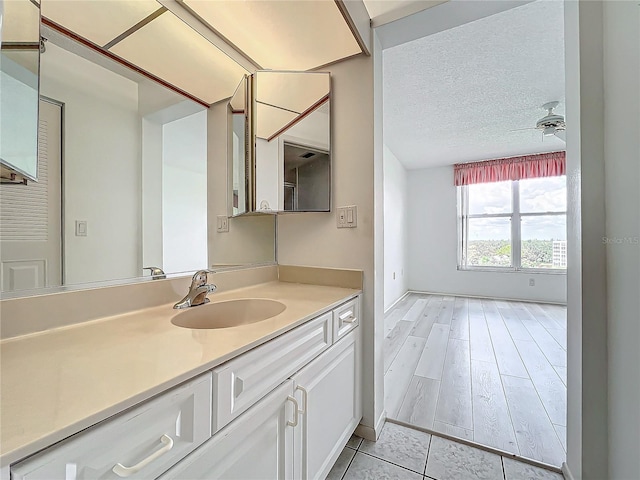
{"x": 141, "y": 443}
{"x": 243, "y": 381}
{"x": 345, "y": 318}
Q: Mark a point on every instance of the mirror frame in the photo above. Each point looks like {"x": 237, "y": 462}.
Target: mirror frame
{"x": 249, "y": 200}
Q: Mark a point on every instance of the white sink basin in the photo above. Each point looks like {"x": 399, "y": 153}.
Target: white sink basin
{"x": 231, "y": 313}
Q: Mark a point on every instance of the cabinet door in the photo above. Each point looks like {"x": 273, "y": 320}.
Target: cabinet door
{"x": 328, "y": 390}
{"x": 256, "y": 445}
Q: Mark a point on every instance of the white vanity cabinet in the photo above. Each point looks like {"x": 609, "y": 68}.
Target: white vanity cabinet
{"x": 297, "y": 431}
{"x": 283, "y": 410}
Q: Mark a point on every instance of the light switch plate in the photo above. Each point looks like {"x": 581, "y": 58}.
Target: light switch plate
{"x": 81, "y": 228}
{"x": 222, "y": 223}
{"x": 347, "y": 217}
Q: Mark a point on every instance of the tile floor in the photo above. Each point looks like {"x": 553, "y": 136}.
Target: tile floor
{"x": 405, "y": 454}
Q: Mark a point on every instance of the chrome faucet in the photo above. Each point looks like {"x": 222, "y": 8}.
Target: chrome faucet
{"x": 197, "y": 291}
{"x": 156, "y": 273}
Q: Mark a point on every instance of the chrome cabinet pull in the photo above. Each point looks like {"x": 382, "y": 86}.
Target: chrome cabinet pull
{"x": 296, "y": 410}
{"x": 347, "y": 317}
{"x": 305, "y": 396}
{"x": 124, "y": 472}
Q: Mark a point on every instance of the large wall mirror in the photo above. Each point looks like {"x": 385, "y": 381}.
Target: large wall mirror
{"x": 124, "y": 181}
{"x": 292, "y": 141}
{"x": 19, "y": 63}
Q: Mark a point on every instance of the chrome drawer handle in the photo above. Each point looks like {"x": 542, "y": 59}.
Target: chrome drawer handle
{"x": 124, "y": 472}
{"x": 348, "y": 317}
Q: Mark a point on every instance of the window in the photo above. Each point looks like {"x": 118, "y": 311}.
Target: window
{"x": 514, "y": 225}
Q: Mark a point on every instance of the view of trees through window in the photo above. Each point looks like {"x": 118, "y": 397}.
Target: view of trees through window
{"x": 520, "y": 224}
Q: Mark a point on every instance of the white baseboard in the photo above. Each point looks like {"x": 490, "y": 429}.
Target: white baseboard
{"x": 371, "y": 433}
{"x": 508, "y": 299}
{"x": 397, "y": 301}
{"x": 566, "y": 472}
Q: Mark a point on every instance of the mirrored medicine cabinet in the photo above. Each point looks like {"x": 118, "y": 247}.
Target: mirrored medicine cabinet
{"x": 280, "y": 146}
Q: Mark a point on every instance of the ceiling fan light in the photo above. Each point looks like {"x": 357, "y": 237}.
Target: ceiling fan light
{"x": 549, "y": 131}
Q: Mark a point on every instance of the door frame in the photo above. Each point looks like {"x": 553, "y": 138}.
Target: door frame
{"x": 53, "y": 101}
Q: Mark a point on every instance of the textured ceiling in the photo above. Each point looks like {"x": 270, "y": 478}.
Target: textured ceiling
{"x": 454, "y": 96}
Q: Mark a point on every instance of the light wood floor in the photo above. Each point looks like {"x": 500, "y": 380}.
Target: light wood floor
{"x": 489, "y": 371}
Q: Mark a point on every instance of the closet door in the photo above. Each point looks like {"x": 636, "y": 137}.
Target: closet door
{"x": 30, "y": 215}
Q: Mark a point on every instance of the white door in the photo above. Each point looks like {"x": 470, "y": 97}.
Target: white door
{"x": 329, "y": 392}
{"x": 30, "y": 215}
{"x": 258, "y": 445}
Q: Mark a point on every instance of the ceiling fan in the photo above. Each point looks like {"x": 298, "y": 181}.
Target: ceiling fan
{"x": 551, "y": 123}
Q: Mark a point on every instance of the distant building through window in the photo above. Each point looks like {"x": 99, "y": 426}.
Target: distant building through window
{"x": 559, "y": 254}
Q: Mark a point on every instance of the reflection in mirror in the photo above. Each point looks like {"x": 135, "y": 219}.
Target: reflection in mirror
{"x": 307, "y": 178}
{"x": 238, "y": 122}
{"x": 125, "y": 178}
{"x": 19, "y": 61}
{"x": 292, "y": 145}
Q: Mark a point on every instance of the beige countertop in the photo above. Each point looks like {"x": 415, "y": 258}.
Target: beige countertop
{"x": 56, "y": 383}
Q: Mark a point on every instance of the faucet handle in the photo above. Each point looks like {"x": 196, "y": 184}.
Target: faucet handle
{"x": 200, "y": 278}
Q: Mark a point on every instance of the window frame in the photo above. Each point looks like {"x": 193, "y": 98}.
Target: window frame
{"x": 516, "y": 233}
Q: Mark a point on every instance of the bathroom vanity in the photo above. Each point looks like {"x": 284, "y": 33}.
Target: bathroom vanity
{"x": 97, "y": 384}
{"x": 278, "y": 398}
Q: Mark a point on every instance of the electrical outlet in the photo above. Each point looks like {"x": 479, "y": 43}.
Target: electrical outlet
{"x": 222, "y": 224}
{"x": 532, "y": 282}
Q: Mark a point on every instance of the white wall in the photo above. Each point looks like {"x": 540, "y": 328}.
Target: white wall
{"x": 603, "y": 104}
{"x": 151, "y": 194}
{"x": 433, "y": 248}
{"x": 101, "y": 157}
{"x": 251, "y": 238}
{"x": 312, "y": 239}
{"x": 587, "y": 384}
{"x": 184, "y": 193}
{"x": 395, "y": 228}
{"x": 622, "y": 185}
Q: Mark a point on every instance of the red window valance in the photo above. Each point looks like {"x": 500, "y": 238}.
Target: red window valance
{"x": 514, "y": 168}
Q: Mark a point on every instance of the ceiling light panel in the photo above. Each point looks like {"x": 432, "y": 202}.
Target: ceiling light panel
{"x": 293, "y": 91}
{"x": 21, "y": 22}
{"x": 171, "y": 50}
{"x": 98, "y": 20}
{"x": 281, "y": 35}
